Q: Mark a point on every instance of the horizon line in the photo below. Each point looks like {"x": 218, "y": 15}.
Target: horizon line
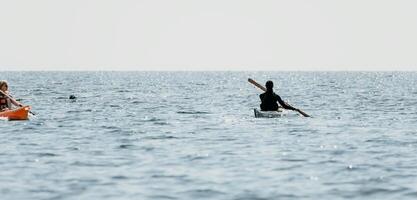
{"x": 194, "y": 70}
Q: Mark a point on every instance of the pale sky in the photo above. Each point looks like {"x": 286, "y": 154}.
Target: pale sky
{"x": 208, "y": 35}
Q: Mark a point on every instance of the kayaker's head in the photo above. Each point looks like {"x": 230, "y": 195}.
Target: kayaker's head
{"x": 4, "y": 86}
{"x": 269, "y": 85}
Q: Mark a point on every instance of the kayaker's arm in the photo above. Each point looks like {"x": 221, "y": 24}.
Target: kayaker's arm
{"x": 14, "y": 102}
{"x": 284, "y": 104}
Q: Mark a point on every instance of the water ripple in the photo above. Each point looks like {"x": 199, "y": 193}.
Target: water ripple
{"x": 192, "y": 135}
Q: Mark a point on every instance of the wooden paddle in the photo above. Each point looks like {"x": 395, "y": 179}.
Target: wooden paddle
{"x": 8, "y": 96}
{"x": 264, "y": 89}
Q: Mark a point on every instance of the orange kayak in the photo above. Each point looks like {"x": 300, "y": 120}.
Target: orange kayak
{"x": 16, "y": 114}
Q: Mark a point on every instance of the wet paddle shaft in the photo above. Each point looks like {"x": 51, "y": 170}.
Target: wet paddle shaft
{"x": 264, "y": 89}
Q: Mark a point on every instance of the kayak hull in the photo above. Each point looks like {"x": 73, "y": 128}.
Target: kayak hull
{"x": 268, "y": 114}
{"x": 21, "y": 113}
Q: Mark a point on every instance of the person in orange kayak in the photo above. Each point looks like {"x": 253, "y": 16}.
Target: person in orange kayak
{"x": 269, "y": 99}
{"x": 5, "y": 102}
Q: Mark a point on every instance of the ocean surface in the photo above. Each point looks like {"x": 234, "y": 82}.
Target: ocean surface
{"x": 193, "y": 135}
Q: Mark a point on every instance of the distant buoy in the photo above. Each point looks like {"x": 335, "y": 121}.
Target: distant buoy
{"x": 72, "y": 97}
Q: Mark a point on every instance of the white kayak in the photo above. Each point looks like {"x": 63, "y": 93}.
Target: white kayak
{"x": 269, "y": 114}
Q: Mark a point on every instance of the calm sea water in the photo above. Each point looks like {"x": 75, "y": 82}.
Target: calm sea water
{"x": 192, "y": 135}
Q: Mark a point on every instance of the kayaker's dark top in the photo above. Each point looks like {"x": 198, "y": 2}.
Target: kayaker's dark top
{"x": 269, "y": 102}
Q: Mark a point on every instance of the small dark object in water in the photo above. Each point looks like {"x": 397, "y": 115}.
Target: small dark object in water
{"x": 72, "y": 97}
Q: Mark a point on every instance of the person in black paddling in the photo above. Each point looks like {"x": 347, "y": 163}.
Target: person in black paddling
{"x": 269, "y": 99}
